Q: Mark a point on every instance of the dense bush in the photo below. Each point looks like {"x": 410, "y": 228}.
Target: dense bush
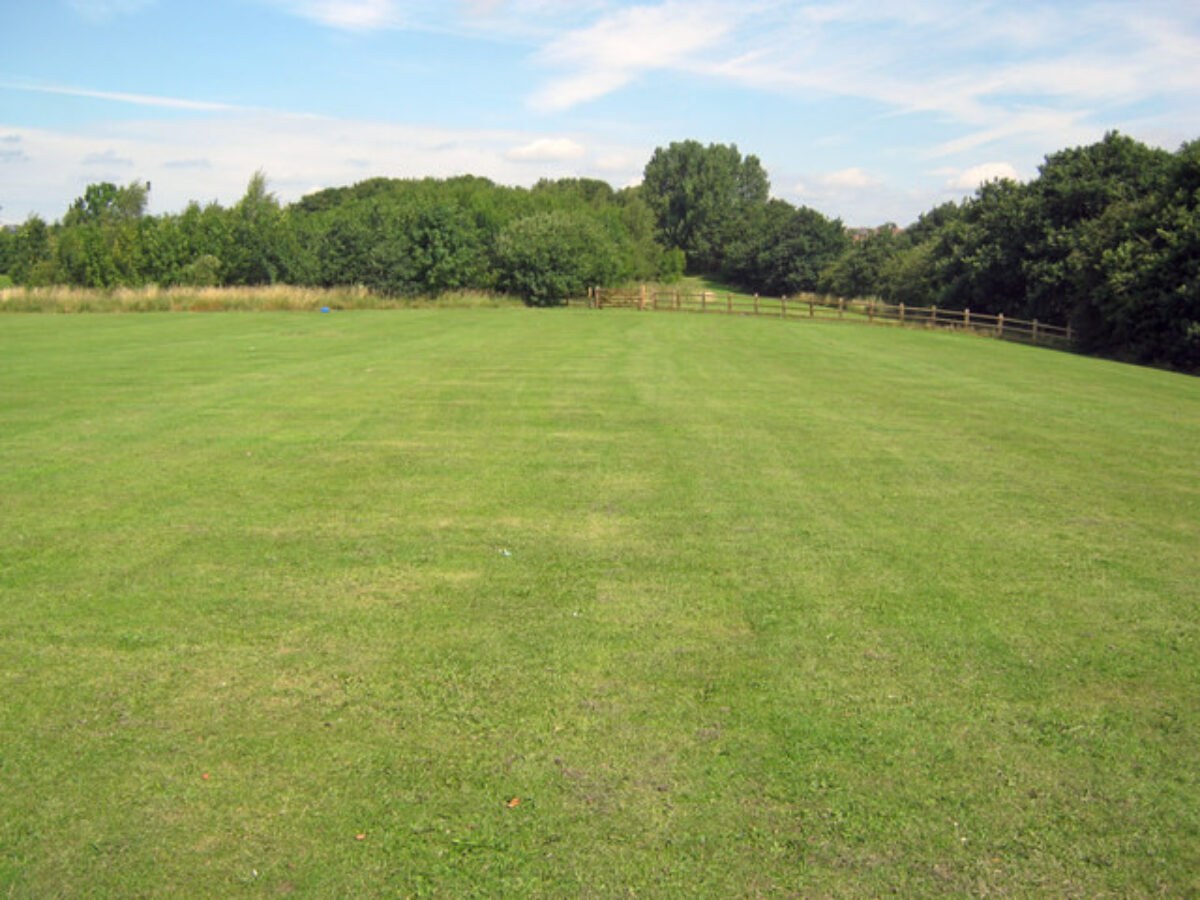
{"x": 549, "y": 257}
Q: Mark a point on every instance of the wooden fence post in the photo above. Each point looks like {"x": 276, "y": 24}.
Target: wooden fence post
{"x": 756, "y": 304}
{"x": 676, "y": 293}
{"x": 642, "y": 297}
{"x": 1070, "y": 336}
{"x": 901, "y": 312}
{"x": 783, "y": 307}
{"x": 841, "y": 306}
{"x": 1035, "y": 329}
{"x": 933, "y": 313}
{"x": 703, "y": 301}
{"x": 729, "y": 304}
{"x": 871, "y": 311}
{"x": 1000, "y": 325}
{"x": 811, "y": 312}
{"x": 967, "y": 319}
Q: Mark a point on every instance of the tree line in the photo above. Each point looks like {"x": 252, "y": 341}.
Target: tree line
{"x": 703, "y": 209}
{"x": 1105, "y": 238}
{"x": 397, "y": 237}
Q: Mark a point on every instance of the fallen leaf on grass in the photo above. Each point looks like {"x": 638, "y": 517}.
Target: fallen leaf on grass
{"x": 515, "y": 801}
{"x": 360, "y": 837}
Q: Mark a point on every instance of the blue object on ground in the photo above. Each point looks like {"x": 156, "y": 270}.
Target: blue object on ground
{"x": 324, "y": 309}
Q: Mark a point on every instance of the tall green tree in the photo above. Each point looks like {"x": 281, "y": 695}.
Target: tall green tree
{"x": 699, "y": 195}
{"x": 1142, "y": 258}
{"x": 1078, "y": 194}
{"x": 107, "y": 203}
{"x": 8, "y": 237}
{"x": 32, "y": 259}
{"x": 779, "y": 249}
{"x": 649, "y": 259}
{"x": 99, "y": 244}
{"x": 253, "y": 254}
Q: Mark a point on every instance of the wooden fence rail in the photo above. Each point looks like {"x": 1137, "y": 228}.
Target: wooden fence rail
{"x": 814, "y": 306}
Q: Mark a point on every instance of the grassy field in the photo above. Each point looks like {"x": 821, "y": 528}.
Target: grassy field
{"x": 460, "y": 603}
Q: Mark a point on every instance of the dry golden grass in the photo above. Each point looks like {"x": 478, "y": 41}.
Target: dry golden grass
{"x": 263, "y": 298}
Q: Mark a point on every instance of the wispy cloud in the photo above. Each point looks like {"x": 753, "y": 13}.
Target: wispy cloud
{"x": 618, "y": 48}
{"x": 847, "y": 100}
{"x": 349, "y": 15}
{"x": 997, "y": 71}
{"x": 1066, "y": 127}
{"x": 135, "y": 99}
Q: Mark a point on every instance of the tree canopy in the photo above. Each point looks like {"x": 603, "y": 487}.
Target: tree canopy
{"x": 1106, "y": 238}
{"x": 699, "y": 194}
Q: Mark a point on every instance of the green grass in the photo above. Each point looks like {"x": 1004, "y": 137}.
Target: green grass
{"x": 786, "y": 609}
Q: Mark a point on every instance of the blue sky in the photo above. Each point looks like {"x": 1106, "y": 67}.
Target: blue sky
{"x": 868, "y": 110}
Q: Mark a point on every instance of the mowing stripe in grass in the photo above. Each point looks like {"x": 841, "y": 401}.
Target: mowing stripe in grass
{"x": 730, "y": 607}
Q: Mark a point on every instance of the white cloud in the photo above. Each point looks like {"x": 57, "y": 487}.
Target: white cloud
{"x": 212, "y": 158}
{"x": 347, "y": 15}
{"x": 826, "y": 185}
{"x": 846, "y": 192}
{"x": 620, "y": 162}
{"x": 1032, "y": 75}
{"x": 547, "y": 150}
{"x": 354, "y": 15}
{"x": 617, "y": 49}
{"x": 848, "y": 178}
{"x": 970, "y": 179}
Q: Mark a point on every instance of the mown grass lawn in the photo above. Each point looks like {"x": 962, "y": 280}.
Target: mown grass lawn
{"x": 493, "y": 602}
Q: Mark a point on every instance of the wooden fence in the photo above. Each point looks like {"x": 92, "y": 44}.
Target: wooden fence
{"x": 813, "y": 306}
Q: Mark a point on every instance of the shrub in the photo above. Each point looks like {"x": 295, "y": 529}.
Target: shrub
{"x": 549, "y": 257}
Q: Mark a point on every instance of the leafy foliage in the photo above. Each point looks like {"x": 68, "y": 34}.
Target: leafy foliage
{"x": 1106, "y": 237}
{"x": 780, "y": 249}
{"x": 700, "y": 194}
{"x": 547, "y": 257}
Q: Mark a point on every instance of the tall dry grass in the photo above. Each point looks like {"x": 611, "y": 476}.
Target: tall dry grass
{"x": 264, "y": 298}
